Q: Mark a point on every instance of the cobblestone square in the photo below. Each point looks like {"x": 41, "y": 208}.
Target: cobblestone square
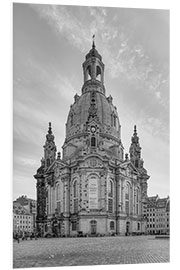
{"x": 90, "y": 251}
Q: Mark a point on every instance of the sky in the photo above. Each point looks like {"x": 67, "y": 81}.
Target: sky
{"x": 49, "y": 47}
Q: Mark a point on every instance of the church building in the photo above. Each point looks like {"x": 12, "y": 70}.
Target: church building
{"x": 93, "y": 188}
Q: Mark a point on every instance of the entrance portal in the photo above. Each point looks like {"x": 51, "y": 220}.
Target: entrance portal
{"x": 127, "y": 228}
{"x": 93, "y": 227}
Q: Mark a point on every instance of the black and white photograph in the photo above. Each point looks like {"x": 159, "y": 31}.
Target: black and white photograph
{"x": 91, "y": 151}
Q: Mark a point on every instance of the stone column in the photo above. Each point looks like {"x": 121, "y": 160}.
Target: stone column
{"x": 93, "y": 70}
{"x": 131, "y": 199}
{"x": 122, "y": 196}
{"x": 102, "y": 191}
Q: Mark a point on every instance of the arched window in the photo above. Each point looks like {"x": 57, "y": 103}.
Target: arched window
{"x": 114, "y": 121}
{"x": 110, "y": 189}
{"x": 48, "y": 162}
{"x": 74, "y": 226}
{"x": 138, "y": 226}
{"x": 136, "y": 163}
{"x": 137, "y": 201}
{"x": 93, "y": 226}
{"x": 127, "y": 198}
{"x": 88, "y": 73}
{"x": 71, "y": 119}
{"x": 98, "y": 73}
{"x": 93, "y": 191}
{"x": 75, "y": 196}
{"x": 111, "y": 225}
{"x": 47, "y": 202}
{"x": 110, "y": 196}
{"x": 58, "y": 192}
{"x": 75, "y": 188}
{"x": 93, "y": 141}
{"x": 58, "y": 198}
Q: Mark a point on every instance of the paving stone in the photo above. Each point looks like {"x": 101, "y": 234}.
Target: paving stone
{"x": 90, "y": 251}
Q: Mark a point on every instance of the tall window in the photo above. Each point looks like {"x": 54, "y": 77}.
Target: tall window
{"x": 58, "y": 198}
{"x": 75, "y": 189}
{"x": 98, "y": 73}
{"x": 48, "y": 202}
{"x": 110, "y": 188}
{"x": 58, "y": 192}
{"x": 71, "y": 119}
{"x": 75, "y": 196}
{"x": 113, "y": 120}
{"x": 110, "y": 196}
{"x": 136, "y": 163}
{"x": 48, "y": 162}
{"x": 137, "y": 201}
{"x": 88, "y": 73}
{"x": 138, "y": 226}
{"x": 111, "y": 225}
{"x": 59, "y": 207}
{"x": 93, "y": 141}
{"x": 74, "y": 226}
{"x": 127, "y": 198}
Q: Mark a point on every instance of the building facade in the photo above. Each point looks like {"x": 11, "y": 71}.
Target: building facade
{"x": 93, "y": 188}
{"x": 158, "y": 215}
{"x": 22, "y": 220}
{"x": 29, "y": 205}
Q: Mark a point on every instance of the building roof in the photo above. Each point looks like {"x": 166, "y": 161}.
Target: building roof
{"x": 18, "y": 209}
{"x": 162, "y": 203}
{"x": 24, "y": 200}
{"x": 155, "y": 201}
{"x": 80, "y": 110}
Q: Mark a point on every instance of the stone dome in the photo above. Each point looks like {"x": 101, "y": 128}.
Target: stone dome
{"x": 106, "y": 114}
{"x": 93, "y": 123}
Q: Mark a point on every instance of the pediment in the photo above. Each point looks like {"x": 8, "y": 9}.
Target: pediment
{"x": 129, "y": 167}
{"x": 56, "y": 165}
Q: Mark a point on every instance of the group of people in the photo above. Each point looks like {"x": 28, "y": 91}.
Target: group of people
{"x": 24, "y": 236}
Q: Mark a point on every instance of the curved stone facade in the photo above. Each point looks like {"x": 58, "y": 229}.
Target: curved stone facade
{"x": 92, "y": 189}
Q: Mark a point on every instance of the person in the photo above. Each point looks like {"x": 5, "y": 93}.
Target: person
{"x": 18, "y": 238}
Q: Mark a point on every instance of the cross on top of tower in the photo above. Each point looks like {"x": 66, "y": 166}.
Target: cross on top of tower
{"x": 93, "y": 52}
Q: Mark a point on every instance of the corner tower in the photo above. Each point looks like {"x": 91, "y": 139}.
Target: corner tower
{"x": 135, "y": 149}
{"x": 49, "y": 148}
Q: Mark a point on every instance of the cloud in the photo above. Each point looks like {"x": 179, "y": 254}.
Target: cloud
{"x": 122, "y": 57}
{"x": 63, "y": 22}
{"x": 126, "y": 57}
{"x": 136, "y": 73}
{"x": 26, "y": 161}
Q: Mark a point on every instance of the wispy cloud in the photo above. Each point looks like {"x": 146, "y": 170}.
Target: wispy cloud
{"x": 121, "y": 57}
{"x": 49, "y": 42}
{"x": 63, "y": 22}
{"x": 125, "y": 60}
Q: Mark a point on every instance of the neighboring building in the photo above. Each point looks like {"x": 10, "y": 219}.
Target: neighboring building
{"x": 92, "y": 189}
{"x": 158, "y": 215}
{"x": 30, "y": 205}
{"x": 22, "y": 219}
